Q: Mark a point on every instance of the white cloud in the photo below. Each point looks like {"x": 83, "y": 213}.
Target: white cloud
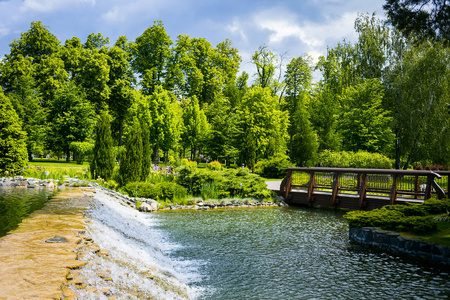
{"x": 45, "y": 6}
{"x": 236, "y": 27}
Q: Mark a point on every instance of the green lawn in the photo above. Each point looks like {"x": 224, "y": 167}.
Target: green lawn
{"x": 441, "y": 236}
{"x": 54, "y": 163}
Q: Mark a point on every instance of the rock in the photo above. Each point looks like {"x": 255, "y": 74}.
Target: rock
{"x": 145, "y": 207}
{"x": 57, "y": 239}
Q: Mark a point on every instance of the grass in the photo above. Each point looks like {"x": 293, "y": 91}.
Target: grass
{"x": 440, "y": 237}
{"x": 54, "y": 163}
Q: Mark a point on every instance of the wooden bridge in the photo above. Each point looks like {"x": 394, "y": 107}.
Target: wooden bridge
{"x": 361, "y": 188}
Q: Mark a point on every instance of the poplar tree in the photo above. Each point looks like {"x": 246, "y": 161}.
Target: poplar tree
{"x": 102, "y": 164}
{"x": 131, "y": 162}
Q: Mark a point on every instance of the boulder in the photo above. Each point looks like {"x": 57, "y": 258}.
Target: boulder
{"x": 145, "y": 207}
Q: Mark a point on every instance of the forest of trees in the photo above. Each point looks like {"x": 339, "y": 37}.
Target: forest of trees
{"x": 386, "y": 93}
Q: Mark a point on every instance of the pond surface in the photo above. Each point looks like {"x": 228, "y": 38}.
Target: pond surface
{"x": 290, "y": 253}
{"x": 16, "y": 203}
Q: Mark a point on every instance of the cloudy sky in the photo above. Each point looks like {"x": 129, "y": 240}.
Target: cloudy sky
{"x": 289, "y": 27}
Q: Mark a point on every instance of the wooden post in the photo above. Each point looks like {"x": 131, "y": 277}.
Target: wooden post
{"x": 430, "y": 179}
{"x": 416, "y": 186}
{"x": 288, "y": 184}
{"x": 335, "y": 188}
{"x": 312, "y": 183}
{"x": 394, "y": 189}
{"x": 362, "y": 191}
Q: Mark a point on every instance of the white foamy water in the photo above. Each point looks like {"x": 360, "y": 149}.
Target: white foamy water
{"x": 138, "y": 265}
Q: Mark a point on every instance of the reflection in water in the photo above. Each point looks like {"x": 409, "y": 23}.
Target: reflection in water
{"x": 16, "y": 203}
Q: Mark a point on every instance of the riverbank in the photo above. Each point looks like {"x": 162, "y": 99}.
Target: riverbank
{"x": 36, "y": 257}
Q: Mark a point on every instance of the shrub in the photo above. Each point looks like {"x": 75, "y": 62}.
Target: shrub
{"x": 360, "y": 159}
{"x": 168, "y": 191}
{"x": 214, "y": 165}
{"x": 273, "y": 167}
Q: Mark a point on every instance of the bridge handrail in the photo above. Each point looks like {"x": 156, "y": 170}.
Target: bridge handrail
{"x": 362, "y": 188}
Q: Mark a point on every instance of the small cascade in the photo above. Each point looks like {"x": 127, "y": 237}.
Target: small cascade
{"x": 131, "y": 260}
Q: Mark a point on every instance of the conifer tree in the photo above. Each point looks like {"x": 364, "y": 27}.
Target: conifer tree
{"x": 102, "y": 164}
{"x": 131, "y": 162}
{"x": 13, "y": 149}
{"x": 146, "y": 151}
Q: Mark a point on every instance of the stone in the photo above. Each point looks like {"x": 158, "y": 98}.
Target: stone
{"x": 145, "y": 207}
{"x": 57, "y": 239}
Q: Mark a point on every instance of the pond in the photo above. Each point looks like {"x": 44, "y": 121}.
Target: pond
{"x": 291, "y": 253}
{"x": 16, "y": 203}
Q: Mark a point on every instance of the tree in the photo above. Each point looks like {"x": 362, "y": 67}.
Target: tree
{"x": 196, "y": 126}
{"x": 70, "y": 119}
{"x": 103, "y": 160}
{"x": 363, "y": 123}
{"x": 146, "y": 150}
{"x": 151, "y": 53}
{"x": 418, "y": 94}
{"x": 262, "y": 126}
{"x": 13, "y": 151}
{"x": 429, "y": 19}
{"x": 131, "y": 162}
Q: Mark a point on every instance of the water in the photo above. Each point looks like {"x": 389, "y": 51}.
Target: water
{"x": 291, "y": 253}
{"x": 16, "y": 203}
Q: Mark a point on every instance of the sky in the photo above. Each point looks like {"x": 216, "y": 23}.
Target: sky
{"x": 290, "y": 28}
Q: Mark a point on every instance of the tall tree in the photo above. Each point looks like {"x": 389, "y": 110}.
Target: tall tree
{"x": 196, "y": 126}
{"x": 13, "y": 151}
{"x": 429, "y": 19}
{"x": 262, "y": 126}
{"x": 131, "y": 162}
{"x": 363, "y": 123}
{"x": 103, "y": 160}
{"x": 70, "y": 119}
{"x": 151, "y": 52}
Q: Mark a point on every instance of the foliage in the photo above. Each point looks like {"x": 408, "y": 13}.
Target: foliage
{"x": 423, "y": 19}
{"x": 348, "y": 159}
{"x": 214, "y": 165}
{"x": 273, "y": 167}
{"x": 160, "y": 191}
{"x": 103, "y": 161}
{"x": 130, "y": 162}
{"x": 262, "y": 126}
{"x": 70, "y": 119}
{"x": 412, "y": 217}
{"x": 229, "y": 183}
{"x": 13, "y": 151}
{"x": 81, "y": 150}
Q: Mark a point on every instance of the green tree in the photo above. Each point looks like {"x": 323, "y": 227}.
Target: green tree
{"x": 146, "y": 151}
{"x": 429, "y": 19}
{"x": 13, "y": 151}
{"x": 196, "y": 126}
{"x": 418, "y": 94}
{"x": 103, "y": 161}
{"x": 70, "y": 119}
{"x": 131, "y": 162}
{"x": 262, "y": 126}
{"x": 364, "y": 124}
{"x": 151, "y": 52}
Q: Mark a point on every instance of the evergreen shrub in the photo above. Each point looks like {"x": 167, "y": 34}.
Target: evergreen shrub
{"x": 167, "y": 191}
{"x": 419, "y": 218}
{"x": 214, "y": 165}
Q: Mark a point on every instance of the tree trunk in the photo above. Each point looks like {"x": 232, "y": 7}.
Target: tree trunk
{"x": 156, "y": 155}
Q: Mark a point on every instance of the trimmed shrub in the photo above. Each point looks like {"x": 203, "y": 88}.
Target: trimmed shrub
{"x": 168, "y": 191}
{"x": 360, "y": 159}
{"x": 273, "y": 167}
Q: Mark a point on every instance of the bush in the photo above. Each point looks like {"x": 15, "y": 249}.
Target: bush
{"x": 168, "y": 191}
{"x": 412, "y": 217}
{"x": 214, "y": 165}
{"x": 273, "y": 167}
{"x": 360, "y": 159}
{"x": 227, "y": 183}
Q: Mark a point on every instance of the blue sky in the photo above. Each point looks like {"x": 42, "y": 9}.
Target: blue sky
{"x": 288, "y": 27}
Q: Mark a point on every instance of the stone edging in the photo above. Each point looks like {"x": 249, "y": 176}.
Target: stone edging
{"x": 392, "y": 241}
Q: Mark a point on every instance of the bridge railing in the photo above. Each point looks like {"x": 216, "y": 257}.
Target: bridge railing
{"x": 397, "y": 185}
